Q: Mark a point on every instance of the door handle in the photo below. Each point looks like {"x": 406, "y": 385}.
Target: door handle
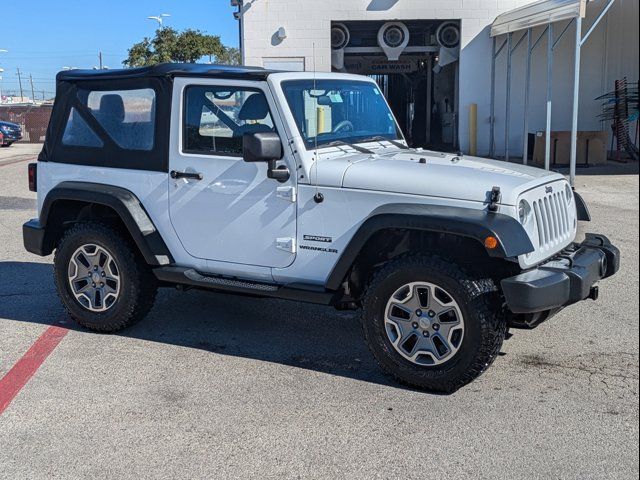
{"x": 188, "y": 175}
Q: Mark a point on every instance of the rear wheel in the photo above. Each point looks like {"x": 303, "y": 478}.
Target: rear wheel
{"x": 101, "y": 280}
{"x": 430, "y": 324}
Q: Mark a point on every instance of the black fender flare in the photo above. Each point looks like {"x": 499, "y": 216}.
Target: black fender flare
{"x": 581, "y": 208}
{"x": 126, "y": 205}
{"x": 513, "y": 240}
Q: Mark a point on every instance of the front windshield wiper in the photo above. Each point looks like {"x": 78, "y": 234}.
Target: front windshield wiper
{"x": 384, "y": 139}
{"x": 342, "y": 143}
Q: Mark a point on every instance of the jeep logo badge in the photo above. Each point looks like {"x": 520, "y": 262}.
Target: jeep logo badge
{"x": 548, "y": 189}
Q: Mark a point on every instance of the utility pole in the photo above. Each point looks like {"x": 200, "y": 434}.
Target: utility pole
{"x": 43, "y": 99}
{"x": 100, "y": 59}
{"x": 20, "y": 83}
{"x": 33, "y": 93}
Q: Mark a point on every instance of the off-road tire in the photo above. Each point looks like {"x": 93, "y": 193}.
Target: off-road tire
{"x": 481, "y": 305}
{"x": 138, "y": 284}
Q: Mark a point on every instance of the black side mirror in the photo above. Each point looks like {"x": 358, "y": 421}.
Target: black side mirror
{"x": 261, "y": 147}
{"x": 265, "y": 147}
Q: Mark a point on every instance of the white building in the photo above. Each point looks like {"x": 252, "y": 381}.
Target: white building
{"x": 432, "y": 102}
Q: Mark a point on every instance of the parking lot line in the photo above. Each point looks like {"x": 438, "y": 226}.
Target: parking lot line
{"x": 18, "y": 160}
{"x": 28, "y": 365}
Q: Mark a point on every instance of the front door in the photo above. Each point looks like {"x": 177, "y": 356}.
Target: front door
{"x": 231, "y": 211}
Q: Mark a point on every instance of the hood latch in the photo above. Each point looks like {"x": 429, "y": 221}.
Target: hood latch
{"x": 494, "y": 199}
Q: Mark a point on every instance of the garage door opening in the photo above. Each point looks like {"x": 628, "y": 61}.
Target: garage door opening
{"x": 416, "y": 65}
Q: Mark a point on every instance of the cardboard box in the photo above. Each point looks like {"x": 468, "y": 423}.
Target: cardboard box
{"x": 592, "y": 148}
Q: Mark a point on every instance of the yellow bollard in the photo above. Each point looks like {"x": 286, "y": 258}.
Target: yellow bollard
{"x": 320, "y": 119}
{"x": 473, "y": 129}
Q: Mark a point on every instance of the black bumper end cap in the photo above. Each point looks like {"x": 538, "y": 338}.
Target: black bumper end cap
{"x": 602, "y": 243}
{"x": 536, "y": 290}
{"x": 33, "y": 238}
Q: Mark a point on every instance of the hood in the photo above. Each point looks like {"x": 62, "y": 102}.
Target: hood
{"x": 417, "y": 172}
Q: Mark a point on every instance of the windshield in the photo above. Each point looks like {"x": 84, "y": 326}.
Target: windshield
{"x": 339, "y": 110}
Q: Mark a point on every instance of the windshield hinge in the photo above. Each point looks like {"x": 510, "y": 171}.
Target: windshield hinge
{"x": 286, "y": 244}
{"x": 286, "y": 193}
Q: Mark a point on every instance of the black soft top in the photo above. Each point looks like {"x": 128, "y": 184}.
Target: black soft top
{"x": 167, "y": 70}
{"x": 73, "y": 86}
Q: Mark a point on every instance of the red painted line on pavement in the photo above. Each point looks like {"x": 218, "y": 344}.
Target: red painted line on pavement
{"x": 12, "y": 162}
{"x": 28, "y": 365}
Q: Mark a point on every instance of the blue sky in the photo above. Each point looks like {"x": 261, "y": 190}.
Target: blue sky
{"x": 43, "y": 36}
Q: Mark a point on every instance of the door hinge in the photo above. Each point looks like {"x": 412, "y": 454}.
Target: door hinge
{"x": 286, "y": 193}
{"x": 287, "y": 244}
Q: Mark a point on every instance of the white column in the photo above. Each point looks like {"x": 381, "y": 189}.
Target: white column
{"x": 576, "y": 100}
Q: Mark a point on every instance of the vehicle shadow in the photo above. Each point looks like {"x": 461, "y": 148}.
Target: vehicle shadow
{"x": 299, "y": 335}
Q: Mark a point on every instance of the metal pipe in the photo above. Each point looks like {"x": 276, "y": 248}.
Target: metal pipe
{"x": 595, "y": 24}
{"x": 576, "y": 99}
{"x": 527, "y": 87}
{"x": 492, "y": 114}
{"x": 535, "y": 44}
{"x": 508, "y": 99}
{"x": 515, "y": 47}
{"x": 564, "y": 30}
{"x": 501, "y": 48}
{"x": 547, "y": 143}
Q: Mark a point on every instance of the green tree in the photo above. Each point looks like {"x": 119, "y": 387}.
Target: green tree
{"x": 188, "y": 46}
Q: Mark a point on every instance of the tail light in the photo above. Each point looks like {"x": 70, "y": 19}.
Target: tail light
{"x": 33, "y": 177}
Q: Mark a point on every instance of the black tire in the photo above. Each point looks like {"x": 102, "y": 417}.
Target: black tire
{"x": 481, "y": 306}
{"x": 138, "y": 284}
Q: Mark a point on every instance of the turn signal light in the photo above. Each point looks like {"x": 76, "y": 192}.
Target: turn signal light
{"x": 491, "y": 243}
{"x": 33, "y": 177}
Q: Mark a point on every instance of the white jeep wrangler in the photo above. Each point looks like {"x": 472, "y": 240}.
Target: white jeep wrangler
{"x": 300, "y": 186}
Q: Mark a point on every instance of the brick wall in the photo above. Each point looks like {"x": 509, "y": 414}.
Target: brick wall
{"x": 33, "y": 119}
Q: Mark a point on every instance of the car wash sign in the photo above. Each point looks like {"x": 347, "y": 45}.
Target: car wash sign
{"x": 379, "y": 65}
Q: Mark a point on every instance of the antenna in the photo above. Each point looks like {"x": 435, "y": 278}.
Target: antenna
{"x": 318, "y": 197}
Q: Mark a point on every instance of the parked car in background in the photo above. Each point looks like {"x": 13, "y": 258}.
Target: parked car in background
{"x": 9, "y": 133}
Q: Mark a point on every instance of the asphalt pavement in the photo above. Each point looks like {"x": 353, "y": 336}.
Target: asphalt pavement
{"x": 217, "y": 386}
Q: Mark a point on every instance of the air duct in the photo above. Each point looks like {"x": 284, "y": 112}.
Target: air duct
{"x": 340, "y": 38}
{"x": 448, "y": 38}
{"x": 393, "y": 38}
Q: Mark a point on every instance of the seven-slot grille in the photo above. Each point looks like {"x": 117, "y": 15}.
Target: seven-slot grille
{"x": 553, "y": 219}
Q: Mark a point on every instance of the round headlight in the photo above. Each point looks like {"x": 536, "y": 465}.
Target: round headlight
{"x": 524, "y": 212}
{"x": 568, "y": 193}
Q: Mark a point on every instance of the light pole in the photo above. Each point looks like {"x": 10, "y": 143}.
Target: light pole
{"x": 2, "y": 50}
{"x": 159, "y": 18}
{"x": 238, "y": 15}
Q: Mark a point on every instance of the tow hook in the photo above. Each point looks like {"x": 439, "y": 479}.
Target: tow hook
{"x": 594, "y": 293}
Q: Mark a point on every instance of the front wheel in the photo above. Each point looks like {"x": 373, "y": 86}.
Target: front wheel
{"x": 430, "y": 324}
{"x": 101, "y": 279}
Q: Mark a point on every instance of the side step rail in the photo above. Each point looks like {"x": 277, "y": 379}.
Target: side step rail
{"x": 193, "y": 278}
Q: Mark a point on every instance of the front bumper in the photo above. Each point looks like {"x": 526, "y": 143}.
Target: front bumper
{"x": 567, "y": 278}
